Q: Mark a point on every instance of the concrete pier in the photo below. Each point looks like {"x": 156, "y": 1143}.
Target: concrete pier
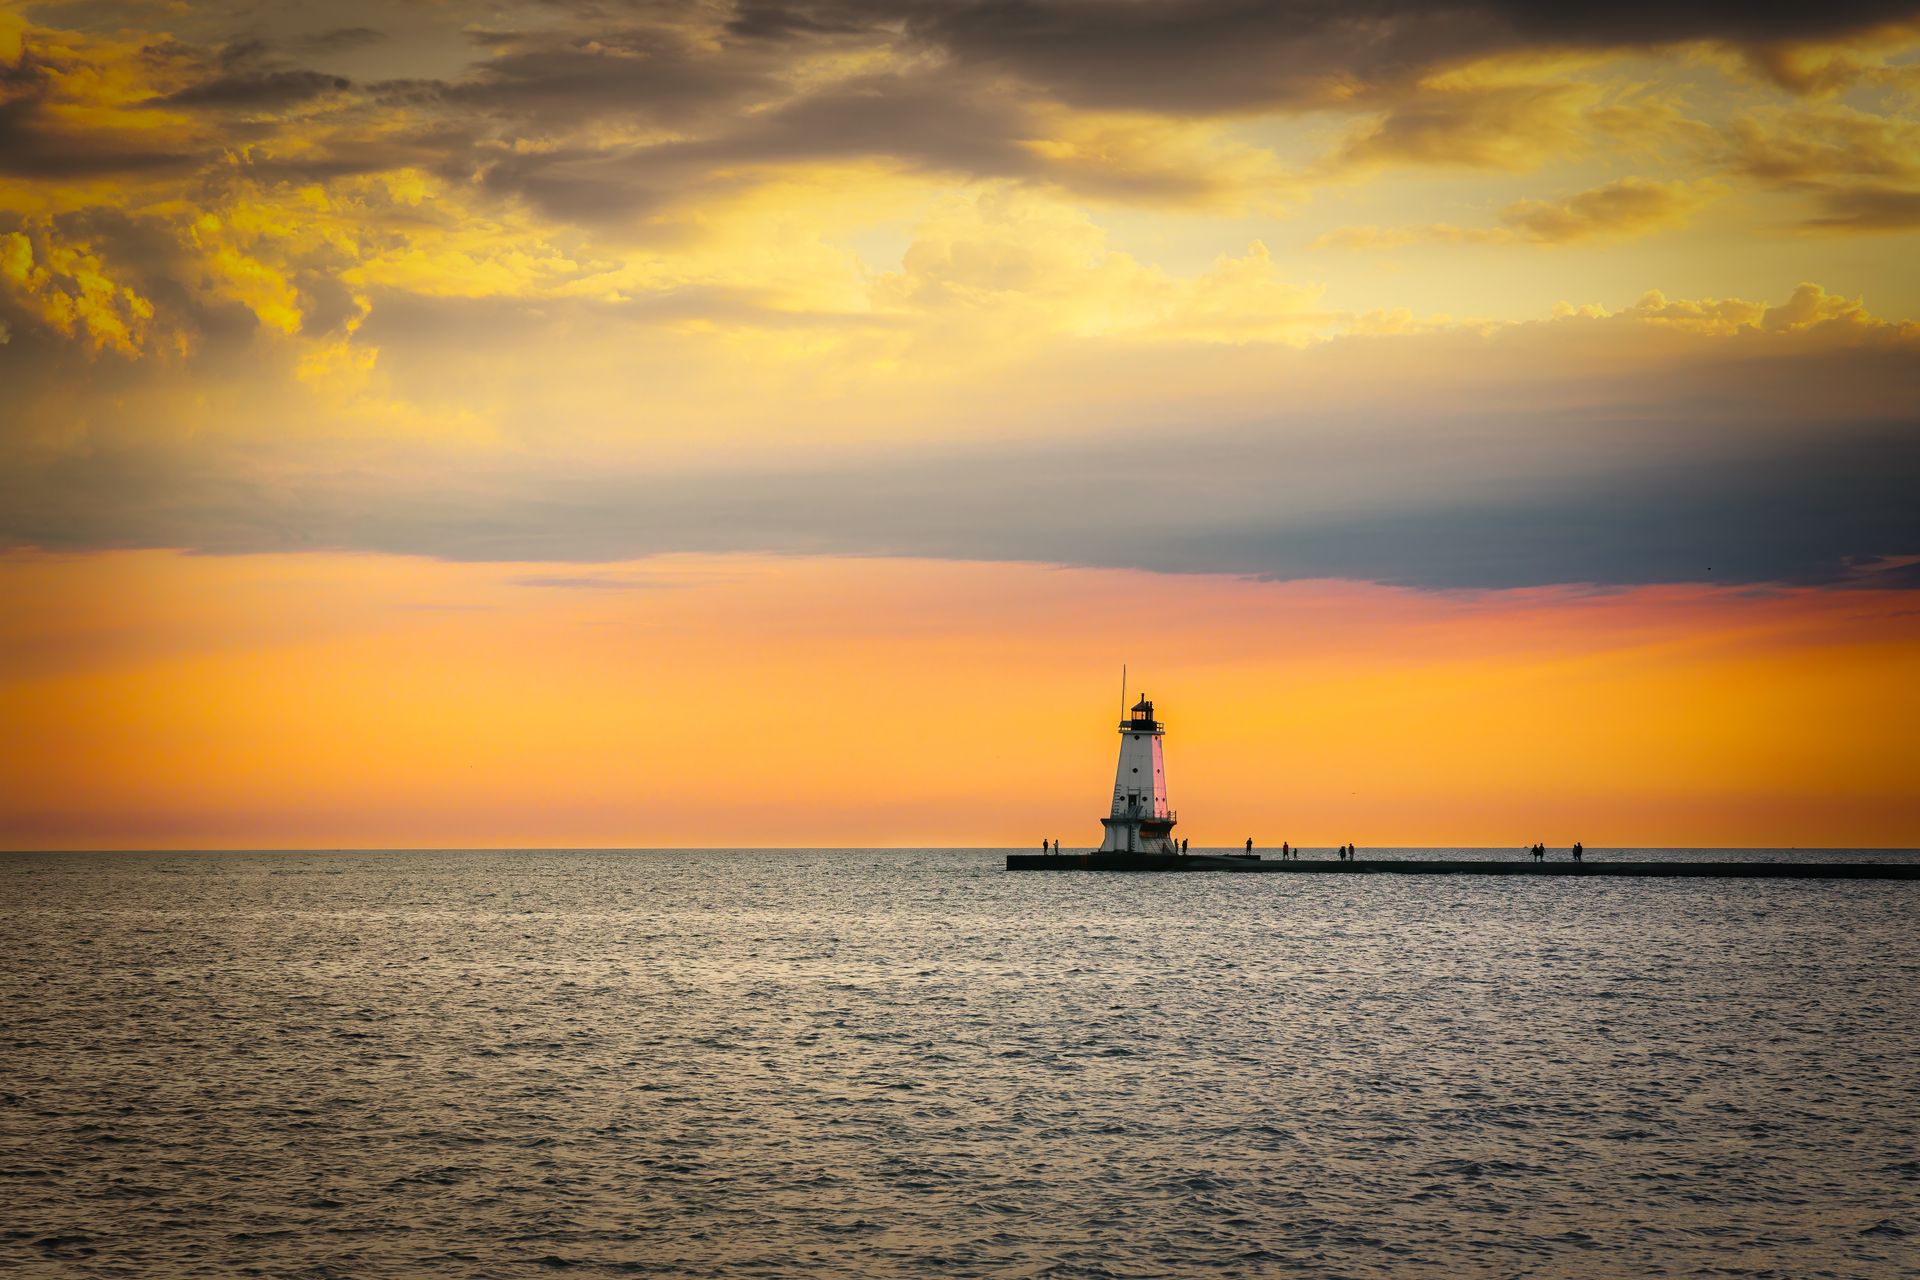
{"x": 1518, "y": 866}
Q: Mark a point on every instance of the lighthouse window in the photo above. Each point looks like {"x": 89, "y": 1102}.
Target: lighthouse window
{"x": 1136, "y": 768}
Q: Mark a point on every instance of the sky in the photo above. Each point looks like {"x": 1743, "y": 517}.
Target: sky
{"x": 739, "y": 424}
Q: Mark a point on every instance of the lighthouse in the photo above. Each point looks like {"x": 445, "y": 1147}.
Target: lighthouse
{"x": 1140, "y": 821}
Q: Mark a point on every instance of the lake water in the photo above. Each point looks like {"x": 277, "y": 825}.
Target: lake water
{"x": 878, "y": 1064}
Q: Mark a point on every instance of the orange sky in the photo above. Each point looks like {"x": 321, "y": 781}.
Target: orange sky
{"x": 162, "y": 700}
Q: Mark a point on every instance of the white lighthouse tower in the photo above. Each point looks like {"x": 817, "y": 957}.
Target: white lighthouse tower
{"x": 1140, "y": 822}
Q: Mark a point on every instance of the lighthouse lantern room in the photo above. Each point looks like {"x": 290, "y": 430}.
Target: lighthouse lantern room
{"x": 1140, "y": 821}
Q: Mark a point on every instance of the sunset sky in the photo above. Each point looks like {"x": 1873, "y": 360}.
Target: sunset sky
{"x": 775, "y": 423}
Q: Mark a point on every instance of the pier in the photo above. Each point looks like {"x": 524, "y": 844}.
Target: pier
{"x": 1464, "y": 867}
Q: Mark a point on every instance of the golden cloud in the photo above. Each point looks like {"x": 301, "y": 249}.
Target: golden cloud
{"x": 1794, "y": 148}
{"x": 72, "y": 289}
{"x": 1013, "y": 265}
{"x": 1626, "y": 207}
{"x": 1832, "y": 65}
{"x": 1620, "y": 209}
{"x": 1498, "y": 126}
{"x": 1808, "y": 307}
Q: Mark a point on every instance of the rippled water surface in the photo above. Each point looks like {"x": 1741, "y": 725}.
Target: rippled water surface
{"x": 918, "y": 1064}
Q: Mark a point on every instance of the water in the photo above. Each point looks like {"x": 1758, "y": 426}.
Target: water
{"x": 916, "y": 1064}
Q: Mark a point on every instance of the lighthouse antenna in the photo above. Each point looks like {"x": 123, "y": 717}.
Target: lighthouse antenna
{"x": 1123, "y": 691}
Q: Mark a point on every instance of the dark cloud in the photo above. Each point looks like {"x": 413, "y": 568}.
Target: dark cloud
{"x": 1235, "y": 55}
{"x": 36, "y": 144}
{"x": 580, "y": 184}
{"x": 237, "y": 53}
{"x": 932, "y": 121}
{"x": 339, "y": 40}
{"x": 1867, "y": 209}
{"x": 28, "y": 154}
{"x": 924, "y": 122}
{"x": 1202, "y": 55}
{"x": 1646, "y": 494}
{"x": 1895, "y": 575}
{"x": 773, "y": 21}
{"x": 448, "y": 151}
{"x": 652, "y": 74}
{"x": 256, "y": 90}
{"x": 1647, "y": 22}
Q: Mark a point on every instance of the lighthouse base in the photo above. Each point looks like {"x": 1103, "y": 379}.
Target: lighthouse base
{"x": 1139, "y": 835}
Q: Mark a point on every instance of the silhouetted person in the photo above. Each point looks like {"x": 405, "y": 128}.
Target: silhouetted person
{"x": 1353, "y": 851}
{"x": 1249, "y": 844}
{"x": 1286, "y": 851}
{"x": 1183, "y": 846}
{"x": 1578, "y": 849}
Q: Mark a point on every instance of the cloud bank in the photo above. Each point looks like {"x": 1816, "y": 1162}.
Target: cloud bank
{"x": 1043, "y": 282}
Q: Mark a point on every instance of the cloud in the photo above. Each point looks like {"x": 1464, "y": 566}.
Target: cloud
{"x": 71, "y": 289}
{"x": 264, "y": 90}
{"x": 1808, "y": 307}
{"x": 926, "y": 123}
{"x": 339, "y": 40}
{"x": 1823, "y": 64}
{"x": 1649, "y": 22}
{"x": 1800, "y": 147}
{"x": 1636, "y": 446}
{"x": 1620, "y": 209}
{"x": 1866, "y": 208}
{"x": 653, "y": 75}
{"x": 1860, "y": 169}
{"x": 69, "y": 109}
{"x": 1016, "y": 266}
{"x": 1232, "y": 56}
{"x": 1510, "y": 127}
{"x": 792, "y": 277}
{"x": 1626, "y": 207}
